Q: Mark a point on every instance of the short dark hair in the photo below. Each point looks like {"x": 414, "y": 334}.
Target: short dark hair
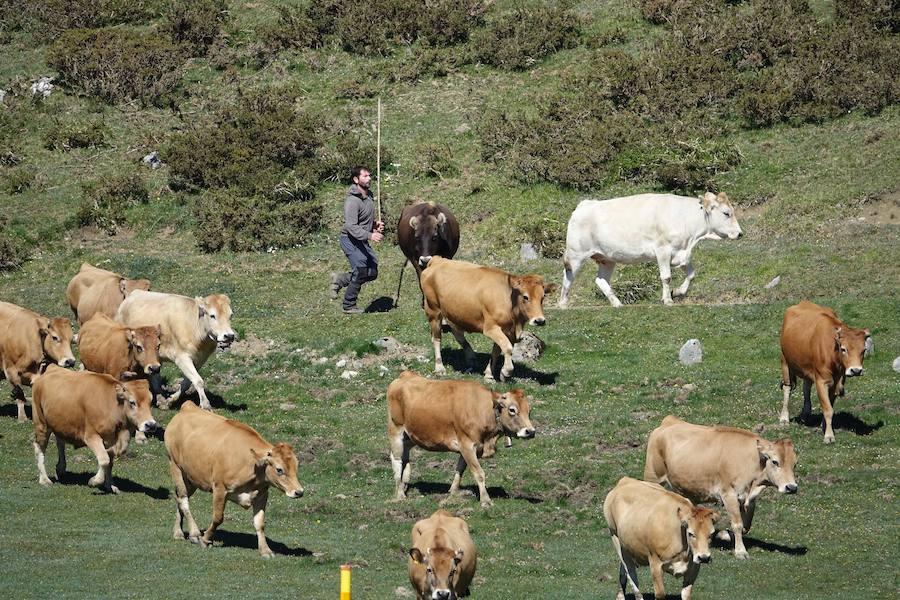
{"x": 355, "y": 171}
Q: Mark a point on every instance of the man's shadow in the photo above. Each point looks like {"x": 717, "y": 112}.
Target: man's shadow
{"x": 380, "y": 305}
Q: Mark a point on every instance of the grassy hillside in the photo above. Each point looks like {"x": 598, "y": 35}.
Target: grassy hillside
{"x": 818, "y": 202}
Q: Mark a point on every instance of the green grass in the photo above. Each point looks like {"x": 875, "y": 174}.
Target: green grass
{"x": 814, "y": 204}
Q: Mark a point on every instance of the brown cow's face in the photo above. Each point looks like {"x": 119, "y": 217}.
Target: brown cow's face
{"x": 720, "y": 216}
{"x": 143, "y": 343}
{"x": 428, "y": 230}
{"x": 215, "y": 317}
{"x": 135, "y": 396}
{"x": 280, "y": 464}
{"x": 780, "y": 459}
{"x": 441, "y": 566}
{"x": 529, "y": 292}
{"x": 514, "y": 414}
{"x": 698, "y": 525}
{"x": 850, "y": 343}
{"x": 126, "y": 286}
{"x": 56, "y": 340}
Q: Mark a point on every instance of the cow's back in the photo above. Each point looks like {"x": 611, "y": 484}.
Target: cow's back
{"x": 807, "y": 336}
{"x": 71, "y": 402}
{"x": 177, "y": 317}
{"x": 644, "y": 516}
{"x": 443, "y": 530}
{"x": 463, "y": 291}
{"x": 20, "y": 339}
{"x": 426, "y": 409}
{"x": 102, "y": 344}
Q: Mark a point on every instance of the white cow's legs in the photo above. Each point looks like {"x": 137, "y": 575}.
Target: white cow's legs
{"x": 604, "y": 276}
{"x": 186, "y": 365}
{"x": 664, "y": 260}
{"x": 572, "y": 266}
{"x": 689, "y": 274}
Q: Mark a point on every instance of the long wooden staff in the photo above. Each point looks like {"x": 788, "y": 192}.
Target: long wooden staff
{"x": 378, "y": 163}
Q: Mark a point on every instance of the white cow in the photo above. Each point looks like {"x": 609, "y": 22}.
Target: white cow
{"x": 192, "y": 329}
{"x": 642, "y": 228}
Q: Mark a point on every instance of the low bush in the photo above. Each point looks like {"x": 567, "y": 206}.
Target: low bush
{"x": 518, "y": 39}
{"x": 448, "y": 22}
{"x": 293, "y": 29}
{"x": 226, "y": 219}
{"x": 66, "y": 135}
{"x": 117, "y": 65}
{"x": 14, "y": 247}
{"x": 104, "y": 201}
{"x": 195, "y": 24}
{"x": 880, "y": 14}
{"x": 548, "y": 236}
{"x": 17, "y": 179}
{"x": 435, "y": 160}
{"x": 50, "y": 18}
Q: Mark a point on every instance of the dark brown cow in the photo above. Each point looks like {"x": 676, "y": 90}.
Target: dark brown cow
{"x": 483, "y": 299}
{"x": 426, "y": 229}
{"x": 28, "y": 342}
{"x": 820, "y": 349}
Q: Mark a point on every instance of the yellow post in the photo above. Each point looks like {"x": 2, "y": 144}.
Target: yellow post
{"x": 345, "y": 582}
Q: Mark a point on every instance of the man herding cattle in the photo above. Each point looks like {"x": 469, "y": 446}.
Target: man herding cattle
{"x": 643, "y": 228}
{"x": 191, "y": 329}
{"x": 651, "y": 525}
{"x": 231, "y": 460}
{"x": 725, "y": 464}
{"x": 28, "y": 343}
{"x": 360, "y": 226}
{"x": 451, "y": 416}
{"x": 823, "y": 351}
{"x": 475, "y": 298}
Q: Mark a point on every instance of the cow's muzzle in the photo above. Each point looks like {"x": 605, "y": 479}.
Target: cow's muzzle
{"x": 298, "y": 493}
{"x": 790, "y": 488}
{"x": 702, "y": 558}
{"x": 854, "y": 371}
{"x": 424, "y": 260}
{"x": 441, "y": 595}
{"x": 148, "y": 426}
{"x": 152, "y": 369}
{"x": 526, "y": 433}
{"x": 67, "y": 363}
{"x": 540, "y": 321}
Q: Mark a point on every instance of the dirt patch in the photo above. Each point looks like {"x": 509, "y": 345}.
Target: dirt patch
{"x": 317, "y": 446}
{"x": 881, "y": 209}
{"x": 364, "y": 462}
{"x": 252, "y": 347}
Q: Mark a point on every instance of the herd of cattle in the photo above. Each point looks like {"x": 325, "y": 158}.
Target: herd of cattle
{"x": 126, "y": 330}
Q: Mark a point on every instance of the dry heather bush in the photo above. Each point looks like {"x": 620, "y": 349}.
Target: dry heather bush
{"x": 293, "y": 29}
{"x": 66, "y": 135}
{"x": 16, "y": 180}
{"x": 105, "y": 200}
{"x": 117, "y": 65}
{"x": 195, "y": 24}
{"x": 14, "y": 247}
{"x": 50, "y": 18}
{"x": 518, "y": 39}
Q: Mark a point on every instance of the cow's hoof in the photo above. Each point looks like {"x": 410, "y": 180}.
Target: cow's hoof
{"x": 60, "y": 475}
{"x": 668, "y": 302}
{"x": 783, "y": 420}
{"x": 741, "y": 554}
{"x": 440, "y": 370}
{"x": 95, "y": 481}
{"x": 178, "y": 535}
{"x": 829, "y": 439}
{"x": 487, "y": 503}
{"x": 45, "y": 481}
{"x": 140, "y": 438}
{"x": 267, "y": 553}
{"x": 616, "y": 304}
{"x": 111, "y": 489}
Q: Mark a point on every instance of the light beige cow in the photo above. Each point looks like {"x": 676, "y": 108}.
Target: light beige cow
{"x": 442, "y": 558}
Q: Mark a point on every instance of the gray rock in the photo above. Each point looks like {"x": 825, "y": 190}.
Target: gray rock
{"x": 287, "y": 406}
{"x": 528, "y": 348}
{"x": 387, "y": 343}
{"x": 2, "y": 96}
{"x": 774, "y": 282}
{"x": 349, "y": 374}
{"x": 896, "y": 364}
{"x": 691, "y": 353}
{"x": 383, "y": 370}
{"x": 528, "y": 252}
{"x": 152, "y": 160}
{"x": 42, "y": 87}
{"x": 341, "y": 363}
{"x": 464, "y": 128}
{"x": 870, "y": 346}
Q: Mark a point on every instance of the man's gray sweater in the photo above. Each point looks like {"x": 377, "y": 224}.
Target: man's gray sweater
{"x": 359, "y": 213}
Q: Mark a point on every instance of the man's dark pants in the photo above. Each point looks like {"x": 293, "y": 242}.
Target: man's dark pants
{"x": 363, "y": 268}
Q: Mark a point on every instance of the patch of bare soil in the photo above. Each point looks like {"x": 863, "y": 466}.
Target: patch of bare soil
{"x": 881, "y": 209}
{"x": 252, "y": 347}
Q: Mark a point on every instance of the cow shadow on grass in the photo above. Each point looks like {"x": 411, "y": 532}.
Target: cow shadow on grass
{"x": 247, "y": 540}
{"x": 12, "y": 410}
{"x": 125, "y": 485}
{"x": 431, "y": 488}
{"x": 380, "y": 305}
{"x": 840, "y": 420}
{"x": 750, "y": 543}
{"x": 456, "y": 358}
{"x": 215, "y": 400}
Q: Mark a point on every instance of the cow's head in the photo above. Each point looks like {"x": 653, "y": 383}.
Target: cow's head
{"x": 56, "y": 341}
{"x": 851, "y": 346}
{"x": 429, "y": 230}
{"x": 441, "y": 567}
{"x": 779, "y": 459}
{"x": 135, "y": 398}
{"x": 126, "y": 286}
{"x": 280, "y": 468}
{"x": 528, "y": 293}
{"x": 143, "y": 346}
{"x": 215, "y": 318}
{"x": 698, "y": 524}
{"x": 513, "y": 411}
{"x": 720, "y": 216}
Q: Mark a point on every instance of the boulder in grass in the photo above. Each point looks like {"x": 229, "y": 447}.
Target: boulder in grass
{"x": 691, "y": 352}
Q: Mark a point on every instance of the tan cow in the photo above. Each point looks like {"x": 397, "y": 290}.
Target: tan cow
{"x": 820, "y": 349}
{"x": 109, "y": 347}
{"x": 231, "y": 460}
{"x": 451, "y": 416}
{"x": 724, "y": 464}
{"x": 88, "y": 409}
{"x": 28, "y": 342}
{"x": 442, "y": 558}
{"x": 191, "y": 330}
{"x": 474, "y": 298}
{"x": 651, "y": 525}
{"x": 94, "y": 290}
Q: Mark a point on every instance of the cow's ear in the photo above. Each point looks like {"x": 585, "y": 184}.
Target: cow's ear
{"x": 515, "y": 282}
{"x": 499, "y": 400}
{"x": 414, "y": 222}
{"x": 129, "y": 335}
{"x": 441, "y": 219}
{"x": 765, "y": 449}
{"x": 458, "y": 555}
{"x": 159, "y": 331}
{"x": 838, "y": 333}
{"x": 201, "y": 309}
{"x": 43, "y": 327}
{"x": 715, "y": 516}
{"x": 262, "y": 458}
{"x": 122, "y": 284}
{"x": 121, "y": 394}
{"x": 709, "y": 201}
{"x": 416, "y": 555}
{"x": 549, "y": 288}
{"x": 722, "y": 197}
{"x": 682, "y": 514}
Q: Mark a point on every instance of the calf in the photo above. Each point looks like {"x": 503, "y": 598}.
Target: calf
{"x": 190, "y": 330}
{"x": 88, "y": 409}
{"x": 442, "y": 558}
{"x": 644, "y": 228}
{"x": 94, "y": 290}
{"x": 28, "y": 343}
{"x": 724, "y": 464}
{"x": 475, "y": 298}
{"x": 232, "y": 461}
{"x": 651, "y": 525}
{"x": 451, "y": 416}
{"x": 822, "y": 350}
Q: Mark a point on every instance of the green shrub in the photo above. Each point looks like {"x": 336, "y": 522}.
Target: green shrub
{"x": 880, "y": 14}
{"x": 50, "y": 18}
{"x": 89, "y": 133}
{"x": 116, "y": 65}
{"x": 195, "y": 24}
{"x": 17, "y": 179}
{"x": 104, "y": 201}
{"x": 226, "y": 219}
{"x": 548, "y": 236}
{"x": 14, "y": 248}
{"x": 519, "y": 39}
{"x": 250, "y": 146}
{"x": 436, "y": 160}
{"x": 293, "y": 29}
{"x": 448, "y": 22}
{"x": 679, "y": 166}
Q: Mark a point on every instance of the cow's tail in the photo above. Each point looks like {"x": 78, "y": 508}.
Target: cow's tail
{"x": 400, "y": 282}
